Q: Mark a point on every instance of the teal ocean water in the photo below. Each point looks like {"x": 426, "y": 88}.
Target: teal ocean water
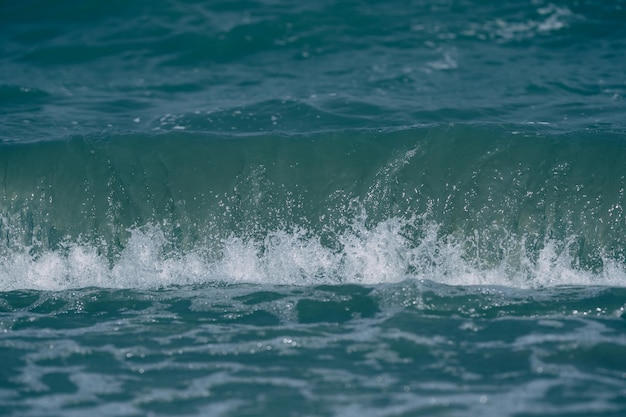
{"x": 343, "y": 208}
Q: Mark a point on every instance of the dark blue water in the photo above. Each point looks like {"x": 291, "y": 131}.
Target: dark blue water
{"x": 340, "y": 208}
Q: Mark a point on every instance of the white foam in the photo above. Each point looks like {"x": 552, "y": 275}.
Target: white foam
{"x": 550, "y": 19}
{"x": 364, "y": 255}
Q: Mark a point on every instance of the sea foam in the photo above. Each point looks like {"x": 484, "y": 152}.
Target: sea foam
{"x": 361, "y": 255}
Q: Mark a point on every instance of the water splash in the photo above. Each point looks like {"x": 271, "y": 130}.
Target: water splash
{"x": 391, "y": 251}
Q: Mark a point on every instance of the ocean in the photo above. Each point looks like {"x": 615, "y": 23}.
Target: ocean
{"x": 342, "y": 208}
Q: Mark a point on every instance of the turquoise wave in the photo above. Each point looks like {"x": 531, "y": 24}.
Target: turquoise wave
{"x": 489, "y": 198}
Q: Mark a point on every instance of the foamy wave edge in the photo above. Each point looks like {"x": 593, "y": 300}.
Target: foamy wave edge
{"x": 368, "y": 256}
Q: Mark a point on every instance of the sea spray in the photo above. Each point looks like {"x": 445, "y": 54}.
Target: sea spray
{"x": 365, "y": 255}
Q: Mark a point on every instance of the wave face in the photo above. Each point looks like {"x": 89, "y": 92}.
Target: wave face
{"x": 462, "y": 204}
